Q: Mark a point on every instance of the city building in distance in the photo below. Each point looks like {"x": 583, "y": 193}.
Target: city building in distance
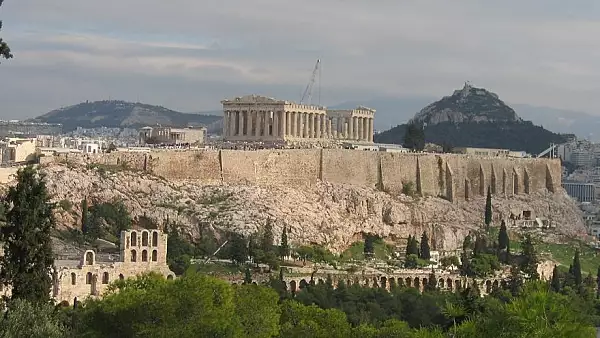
{"x": 257, "y": 118}
{"x": 170, "y": 135}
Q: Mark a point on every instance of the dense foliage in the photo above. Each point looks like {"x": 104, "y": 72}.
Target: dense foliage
{"x": 4, "y": 49}
{"x": 27, "y": 260}
{"x": 504, "y": 135}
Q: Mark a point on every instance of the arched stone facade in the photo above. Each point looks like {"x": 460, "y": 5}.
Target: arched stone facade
{"x": 90, "y": 278}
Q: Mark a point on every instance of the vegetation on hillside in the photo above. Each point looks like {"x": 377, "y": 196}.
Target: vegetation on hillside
{"x": 504, "y": 135}
{"x": 121, "y": 114}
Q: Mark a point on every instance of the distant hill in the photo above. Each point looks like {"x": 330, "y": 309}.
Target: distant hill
{"x": 475, "y": 117}
{"x": 122, "y": 114}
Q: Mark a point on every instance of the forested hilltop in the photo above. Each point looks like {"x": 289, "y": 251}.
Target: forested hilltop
{"x": 475, "y": 117}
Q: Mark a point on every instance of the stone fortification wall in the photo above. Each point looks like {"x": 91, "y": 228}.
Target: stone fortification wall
{"x": 451, "y": 176}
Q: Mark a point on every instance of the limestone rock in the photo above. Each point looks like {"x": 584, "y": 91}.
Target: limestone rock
{"x": 330, "y": 214}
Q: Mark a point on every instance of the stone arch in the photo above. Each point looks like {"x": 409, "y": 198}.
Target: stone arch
{"x": 90, "y": 258}
{"x": 457, "y": 284}
{"x": 488, "y": 286}
{"x": 400, "y": 282}
{"x": 383, "y": 282}
{"x": 134, "y": 238}
{"x": 441, "y": 283}
{"x": 366, "y": 282}
{"x": 121, "y": 277}
{"x": 516, "y": 188}
{"x": 88, "y": 278}
{"x": 495, "y": 284}
{"x": 105, "y": 278}
{"x": 133, "y": 256}
{"x": 293, "y": 286}
{"x": 144, "y": 255}
{"x": 73, "y": 278}
{"x": 155, "y": 238}
{"x": 170, "y": 277}
{"x": 424, "y": 281}
{"x": 408, "y": 281}
{"x": 392, "y": 283}
{"x": 467, "y": 189}
{"x": 494, "y": 180}
{"x": 303, "y": 283}
{"x": 154, "y": 255}
{"x": 145, "y": 237}
{"x": 348, "y": 282}
{"x": 375, "y": 284}
{"x": 481, "y": 181}
{"x": 526, "y": 181}
{"x": 320, "y": 281}
{"x": 417, "y": 283}
{"x": 449, "y": 283}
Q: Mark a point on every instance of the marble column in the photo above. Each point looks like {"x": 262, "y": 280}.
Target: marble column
{"x": 365, "y": 135}
{"x": 351, "y": 128}
{"x": 231, "y": 123}
{"x": 370, "y": 130}
{"x": 355, "y": 123}
{"x": 255, "y": 124}
{"x": 305, "y": 125}
{"x": 299, "y": 124}
{"x": 323, "y": 126}
{"x": 359, "y": 131}
{"x": 284, "y": 126}
{"x": 225, "y": 123}
{"x": 240, "y": 130}
{"x": 311, "y": 122}
{"x": 275, "y": 124}
{"x": 346, "y": 123}
{"x": 329, "y": 132}
{"x": 293, "y": 122}
{"x": 267, "y": 122}
{"x": 318, "y": 126}
{"x": 248, "y": 123}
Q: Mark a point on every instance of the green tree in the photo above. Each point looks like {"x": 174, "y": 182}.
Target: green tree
{"x": 34, "y": 320}
{"x": 258, "y": 311}
{"x": 412, "y": 247}
{"x": 431, "y": 282}
{"x": 503, "y": 239}
{"x": 247, "y": 276}
{"x": 4, "y": 49}
{"x": 411, "y": 261}
{"x": 284, "y": 248}
{"x": 84, "y": 215}
{"x": 577, "y": 268}
{"x": 467, "y": 243}
{"x": 414, "y": 137}
{"x": 530, "y": 259}
{"x": 488, "y": 208}
{"x": 267, "y": 239}
{"x": 300, "y": 321}
{"x": 369, "y": 248}
{"x": 425, "y": 250}
{"x": 28, "y": 259}
{"x": 555, "y": 281}
{"x": 238, "y": 248}
{"x": 598, "y": 283}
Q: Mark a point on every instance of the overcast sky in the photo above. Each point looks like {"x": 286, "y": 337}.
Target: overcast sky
{"x": 188, "y": 55}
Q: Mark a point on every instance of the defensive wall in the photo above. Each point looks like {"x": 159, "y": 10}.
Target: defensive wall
{"x": 451, "y": 176}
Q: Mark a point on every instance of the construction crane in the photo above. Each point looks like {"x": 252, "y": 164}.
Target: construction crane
{"x": 307, "y": 96}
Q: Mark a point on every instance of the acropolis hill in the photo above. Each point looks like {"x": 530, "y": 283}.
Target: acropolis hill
{"x": 325, "y": 196}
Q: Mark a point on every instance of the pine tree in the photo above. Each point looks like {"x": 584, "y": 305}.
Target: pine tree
{"x": 28, "y": 259}
{"x": 84, "y": 215}
{"x": 414, "y": 247}
{"x": 284, "y": 248}
{"x": 577, "y": 268}
{"x": 247, "y": 276}
{"x": 488, "y": 208}
{"x": 425, "y": 250}
{"x": 555, "y": 282}
{"x": 4, "y": 49}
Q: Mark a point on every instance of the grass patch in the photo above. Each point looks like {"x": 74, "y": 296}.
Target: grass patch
{"x": 217, "y": 269}
{"x": 563, "y": 253}
{"x": 357, "y": 251}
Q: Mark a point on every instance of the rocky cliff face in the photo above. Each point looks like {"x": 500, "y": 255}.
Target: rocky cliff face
{"x": 468, "y": 104}
{"x": 329, "y": 214}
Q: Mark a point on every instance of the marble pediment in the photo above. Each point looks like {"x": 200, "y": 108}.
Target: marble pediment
{"x": 253, "y": 99}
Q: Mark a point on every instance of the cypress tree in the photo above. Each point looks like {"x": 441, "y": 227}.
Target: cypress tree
{"x": 488, "y": 208}
{"x": 530, "y": 258}
{"x": 425, "y": 250}
{"x": 28, "y": 259}
{"x": 266, "y": 244}
{"x": 598, "y": 283}
{"x": 284, "y": 248}
{"x": 247, "y": 276}
{"x": 577, "y": 268}
{"x": 503, "y": 239}
{"x": 408, "y": 244}
{"x": 84, "y": 215}
{"x": 369, "y": 248}
{"x": 238, "y": 248}
{"x": 414, "y": 247}
{"x": 555, "y": 282}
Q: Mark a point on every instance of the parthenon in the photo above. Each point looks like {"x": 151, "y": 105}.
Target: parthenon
{"x": 259, "y": 118}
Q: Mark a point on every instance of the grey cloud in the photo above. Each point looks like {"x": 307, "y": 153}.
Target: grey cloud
{"x": 538, "y": 52}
